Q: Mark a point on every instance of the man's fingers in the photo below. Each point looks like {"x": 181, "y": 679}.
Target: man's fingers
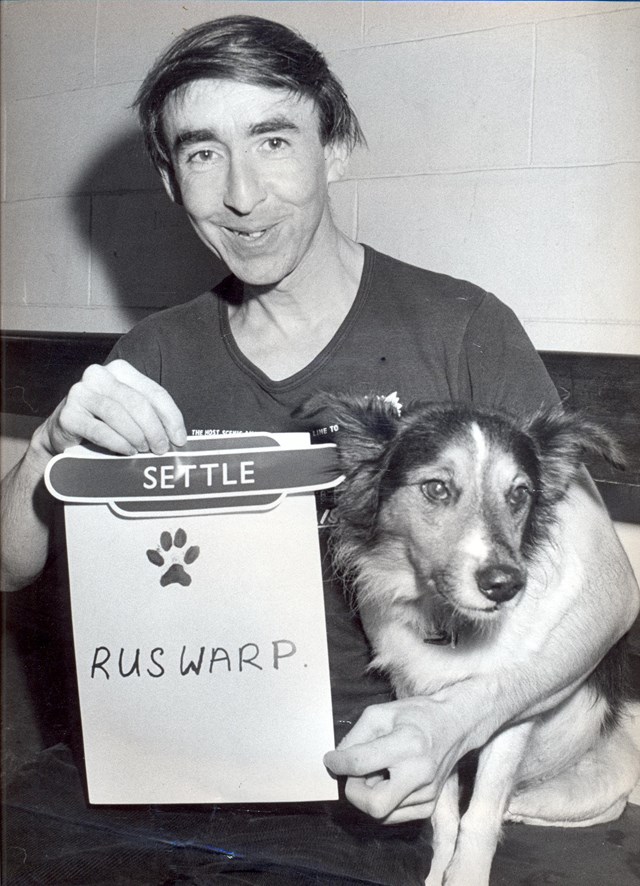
{"x": 374, "y": 722}
{"x": 106, "y": 437}
{"x": 361, "y": 760}
{"x": 118, "y": 408}
{"x": 123, "y": 410}
{"x": 424, "y": 796}
{"x": 107, "y": 425}
{"x": 161, "y": 400}
{"x": 394, "y": 771}
{"x": 373, "y": 755}
{"x": 381, "y": 797}
{"x": 416, "y": 812}
{"x": 133, "y": 406}
{"x": 384, "y": 773}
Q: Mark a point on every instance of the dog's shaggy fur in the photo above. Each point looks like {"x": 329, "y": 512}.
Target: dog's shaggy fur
{"x": 443, "y": 514}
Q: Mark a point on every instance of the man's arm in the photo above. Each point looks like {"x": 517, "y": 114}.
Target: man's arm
{"x": 115, "y": 407}
{"x": 418, "y": 740}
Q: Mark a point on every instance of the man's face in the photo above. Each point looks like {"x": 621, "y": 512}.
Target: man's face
{"x": 252, "y": 175}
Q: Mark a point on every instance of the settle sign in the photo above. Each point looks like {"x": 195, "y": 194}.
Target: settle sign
{"x": 198, "y": 618}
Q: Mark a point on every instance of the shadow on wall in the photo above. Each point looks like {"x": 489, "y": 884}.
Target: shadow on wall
{"x": 144, "y": 253}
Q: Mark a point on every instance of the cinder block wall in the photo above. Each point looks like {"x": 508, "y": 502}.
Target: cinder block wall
{"x": 504, "y": 147}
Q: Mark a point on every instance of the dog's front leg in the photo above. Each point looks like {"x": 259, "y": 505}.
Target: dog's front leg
{"x": 445, "y": 822}
{"x": 480, "y": 826}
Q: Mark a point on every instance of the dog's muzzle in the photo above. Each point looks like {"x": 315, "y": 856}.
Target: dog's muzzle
{"x": 500, "y": 583}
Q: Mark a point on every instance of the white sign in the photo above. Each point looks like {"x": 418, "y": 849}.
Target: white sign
{"x": 200, "y": 635}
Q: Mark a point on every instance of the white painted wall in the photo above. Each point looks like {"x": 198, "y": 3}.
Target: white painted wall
{"x": 504, "y": 147}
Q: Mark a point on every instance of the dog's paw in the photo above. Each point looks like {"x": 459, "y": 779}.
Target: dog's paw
{"x": 170, "y": 548}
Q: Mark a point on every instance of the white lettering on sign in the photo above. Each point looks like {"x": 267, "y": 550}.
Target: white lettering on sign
{"x": 209, "y": 468}
{"x": 172, "y": 476}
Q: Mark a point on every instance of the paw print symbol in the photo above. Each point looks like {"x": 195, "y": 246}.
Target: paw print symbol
{"x": 176, "y": 573}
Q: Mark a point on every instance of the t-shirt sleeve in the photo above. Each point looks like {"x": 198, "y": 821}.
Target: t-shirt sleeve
{"x": 499, "y": 365}
{"x": 141, "y": 350}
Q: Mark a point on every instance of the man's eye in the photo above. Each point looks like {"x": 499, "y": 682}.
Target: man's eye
{"x": 275, "y": 144}
{"x": 199, "y": 158}
{"x": 436, "y": 490}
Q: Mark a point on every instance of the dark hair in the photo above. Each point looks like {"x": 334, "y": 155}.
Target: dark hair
{"x": 250, "y": 50}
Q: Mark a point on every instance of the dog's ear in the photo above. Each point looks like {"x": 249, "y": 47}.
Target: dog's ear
{"x": 365, "y": 424}
{"x": 564, "y": 440}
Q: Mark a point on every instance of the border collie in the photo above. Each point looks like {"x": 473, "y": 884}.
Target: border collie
{"x": 445, "y": 526}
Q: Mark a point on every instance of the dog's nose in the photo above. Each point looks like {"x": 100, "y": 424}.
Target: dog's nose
{"x": 500, "y": 583}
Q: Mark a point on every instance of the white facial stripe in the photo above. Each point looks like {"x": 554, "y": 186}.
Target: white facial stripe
{"x": 475, "y": 546}
{"x": 481, "y": 449}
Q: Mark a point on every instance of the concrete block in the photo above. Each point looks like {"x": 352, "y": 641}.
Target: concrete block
{"x": 398, "y": 21}
{"x": 74, "y": 142}
{"x": 587, "y": 92}
{"x": 47, "y": 47}
{"x": 456, "y": 103}
{"x": 45, "y": 252}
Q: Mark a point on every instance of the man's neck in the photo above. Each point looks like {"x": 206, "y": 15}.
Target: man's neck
{"x": 281, "y": 329}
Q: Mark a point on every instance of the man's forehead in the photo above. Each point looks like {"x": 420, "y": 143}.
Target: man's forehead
{"x": 248, "y": 106}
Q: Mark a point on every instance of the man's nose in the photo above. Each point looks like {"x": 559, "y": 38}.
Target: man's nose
{"x": 244, "y": 189}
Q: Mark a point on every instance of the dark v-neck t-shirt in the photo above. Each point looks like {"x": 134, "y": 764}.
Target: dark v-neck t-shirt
{"x": 420, "y": 334}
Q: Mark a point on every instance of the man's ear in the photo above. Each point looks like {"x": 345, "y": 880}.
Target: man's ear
{"x": 170, "y": 184}
{"x": 336, "y": 158}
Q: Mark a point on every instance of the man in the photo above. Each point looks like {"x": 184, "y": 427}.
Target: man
{"x": 247, "y": 127}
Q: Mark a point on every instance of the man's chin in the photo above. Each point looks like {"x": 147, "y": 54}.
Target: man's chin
{"x": 257, "y": 274}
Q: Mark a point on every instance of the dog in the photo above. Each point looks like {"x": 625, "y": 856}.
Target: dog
{"x": 444, "y": 514}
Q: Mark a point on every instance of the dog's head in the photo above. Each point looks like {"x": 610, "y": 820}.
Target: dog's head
{"x": 460, "y": 494}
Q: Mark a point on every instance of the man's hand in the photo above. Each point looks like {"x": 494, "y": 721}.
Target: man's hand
{"x": 117, "y": 408}
{"x": 398, "y": 756}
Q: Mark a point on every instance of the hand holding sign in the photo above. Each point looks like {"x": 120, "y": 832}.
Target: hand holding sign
{"x": 117, "y": 408}
{"x": 114, "y": 407}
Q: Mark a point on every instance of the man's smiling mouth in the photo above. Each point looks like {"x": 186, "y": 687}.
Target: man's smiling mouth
{"x": 248, "y": 235}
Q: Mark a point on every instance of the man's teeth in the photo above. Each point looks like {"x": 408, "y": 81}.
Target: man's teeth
{"x": 250, "y": 235}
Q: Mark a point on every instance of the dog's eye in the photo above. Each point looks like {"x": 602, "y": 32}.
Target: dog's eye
{"x": 436, "y": 490}
{"x": 519, "y": 496}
